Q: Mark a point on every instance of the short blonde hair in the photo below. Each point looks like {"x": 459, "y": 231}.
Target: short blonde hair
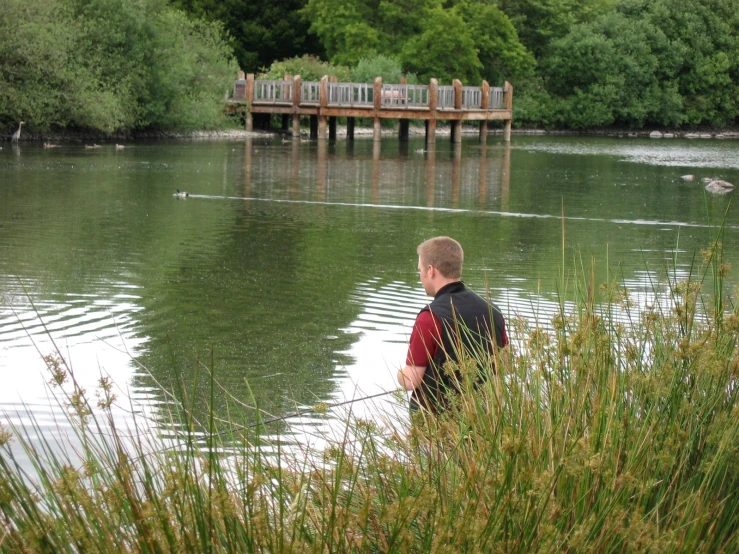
{"x": 445, "y": 254}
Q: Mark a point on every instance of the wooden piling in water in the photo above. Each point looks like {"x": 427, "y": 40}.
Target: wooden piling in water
{"x": 485, "y": 102}
{"x": 377, "y": 102}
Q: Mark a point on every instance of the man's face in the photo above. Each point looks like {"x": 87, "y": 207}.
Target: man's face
{"x": 423, "y": 272}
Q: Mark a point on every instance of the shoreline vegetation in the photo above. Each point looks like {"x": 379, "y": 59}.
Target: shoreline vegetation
{"x": 366, "y": 132}
{"x": 122, "y": 67}
{"x": 611, "y": 427}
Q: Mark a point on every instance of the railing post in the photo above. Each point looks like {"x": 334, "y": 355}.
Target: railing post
{"x": 485, "y": 103}
{"x": 323, "y": 103}
{"x": 431, "y": 121}
{"x": 509, "y": 107}
{"x": 457, "y": 124}
{"x": 249, "y": 98}
{"x": 457, "y": 94}
{"x": 377, "y": 135}
{"x": 297, "y": 92}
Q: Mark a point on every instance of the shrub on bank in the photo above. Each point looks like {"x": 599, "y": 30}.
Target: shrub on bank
{"x": 310, "y": 68}
{"x": 610, "y": 428}
{"x": 111, "y": 65}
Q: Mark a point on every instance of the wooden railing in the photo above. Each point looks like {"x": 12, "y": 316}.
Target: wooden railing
{"x": 350, "y": 94}
{"x": 273, "y": 92}
{"x": 310, "y": 93}
{"x": 326, "y": 100}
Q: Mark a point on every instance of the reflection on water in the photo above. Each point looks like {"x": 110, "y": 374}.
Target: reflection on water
{"x": 667, "y": 152}
{"x": 359, "y": 178}
{"x": 294, "y": 263}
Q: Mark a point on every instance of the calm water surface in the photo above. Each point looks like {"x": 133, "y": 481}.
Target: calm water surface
{"x": 291, "y": 267}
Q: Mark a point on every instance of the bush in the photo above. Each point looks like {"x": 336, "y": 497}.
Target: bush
{"x": 310, "y": 68}
{"x": 380, "y": 66}
{"x": 111, "y": 65}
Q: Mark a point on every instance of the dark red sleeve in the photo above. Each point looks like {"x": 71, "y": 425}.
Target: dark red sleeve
{"x": 425, "y": 338}
{"x": 504, "y": 335}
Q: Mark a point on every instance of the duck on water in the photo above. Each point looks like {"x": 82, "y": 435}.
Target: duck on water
{"x": 181, "y": 194}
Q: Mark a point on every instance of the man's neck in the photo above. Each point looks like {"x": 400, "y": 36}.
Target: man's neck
{"x": 446, "y": 283}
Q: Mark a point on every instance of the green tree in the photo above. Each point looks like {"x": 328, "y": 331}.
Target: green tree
{"x": 704, "y": 54}
{"x": 386, "y": 67}
{"x": 648, "y": 63}
{"x": 608, "y": 72}
{"x": 445, "y": 49}
{"x": 110, "y": 65}
{"x": 36, "y": 73}
{"x": 308, "y": 67}
{"x": 539, "y": 22}
{"x": 467, "y": 39}
{"x": 261, "y": 31}
{"x": 501, "y": 53}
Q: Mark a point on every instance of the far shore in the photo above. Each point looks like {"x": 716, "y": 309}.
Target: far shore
{"x": 88, "y": 137}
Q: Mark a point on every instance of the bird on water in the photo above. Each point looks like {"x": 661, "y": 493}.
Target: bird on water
{"x": 17, "y": 135}
{"x": 181, "y": 194}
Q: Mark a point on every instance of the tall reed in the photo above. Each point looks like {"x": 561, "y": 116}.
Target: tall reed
{"x": 607, "y": 429}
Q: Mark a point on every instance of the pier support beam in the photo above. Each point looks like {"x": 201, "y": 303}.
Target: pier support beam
{"x": 431, "y": 123}
{"x": 313, "y": 127}
{"x": 349, "y": 128}
{"x": 483, "y": 130}
{"x": 404, "y": 130}
{"x": 430, "y": 131}
{"x": 297, "y": 88}
{"x": 509, "y": 107}
{"x": 457, "y": 125}
{"x": 332, "y": 128}
{"x": 323, "y": 103}
{"x": 377, "y": 100}
{"x": 249, "y": 98}
{"x": 485, "y": 103}
{"x": 456, "y": 134}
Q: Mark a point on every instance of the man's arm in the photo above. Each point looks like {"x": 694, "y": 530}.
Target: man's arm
{"x": 422, "y": 347}
{"x": 411, "y": 376}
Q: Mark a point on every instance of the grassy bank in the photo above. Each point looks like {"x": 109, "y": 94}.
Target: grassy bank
{"x": 611, "y": 427}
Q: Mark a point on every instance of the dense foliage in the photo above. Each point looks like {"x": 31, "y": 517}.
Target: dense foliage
{"x": 121, "y": 64}
{"x": 663, "y": 62}
{"x": 110, "y": 65}
{"x": 468, "y": 40}
{"x": 262, "y": 31}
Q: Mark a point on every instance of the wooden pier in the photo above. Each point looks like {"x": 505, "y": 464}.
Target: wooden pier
{"x": 324, "y": 101}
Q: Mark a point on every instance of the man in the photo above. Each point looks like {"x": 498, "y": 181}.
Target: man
{"x": 457, "y": 321}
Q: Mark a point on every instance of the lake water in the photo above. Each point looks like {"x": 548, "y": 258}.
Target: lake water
{"x": 291, "y": 268}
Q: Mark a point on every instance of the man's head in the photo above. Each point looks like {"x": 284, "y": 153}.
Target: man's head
{"x": 439, "y": 263}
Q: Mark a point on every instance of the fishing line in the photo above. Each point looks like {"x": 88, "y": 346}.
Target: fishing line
{"x": 319, "y": 408}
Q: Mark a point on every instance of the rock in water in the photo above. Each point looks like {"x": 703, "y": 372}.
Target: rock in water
{"x": 718, "y": 186}
{"x": 688, "y": 177}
